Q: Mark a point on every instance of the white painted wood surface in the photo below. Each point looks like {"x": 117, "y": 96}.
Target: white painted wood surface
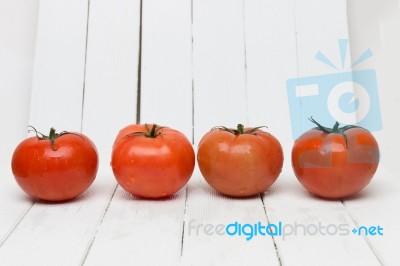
{"x": 102, "y": 64}
{"x": 166, "y": 64}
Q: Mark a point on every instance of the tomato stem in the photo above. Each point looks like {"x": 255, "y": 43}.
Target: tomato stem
{"x": 152, "y": 132}
{"x": 335, "y": 129}
{"x": 239, "y": 130}
{"x": 52, "y": 135}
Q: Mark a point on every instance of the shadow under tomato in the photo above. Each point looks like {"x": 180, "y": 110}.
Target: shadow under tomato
{"x": 367, "y": 193}
{"x": 25, "y": 198}
{"x": 317, "y": 197}
{"x": 121, "y": 194}
{"x": 211, "y": 192}
{"x": 275, "y": 189}
{"x": 285, "y": 184}
{"x": 80, "y": 198}
{"x": 251, "y": 197}
{"x": 358, "y": 196}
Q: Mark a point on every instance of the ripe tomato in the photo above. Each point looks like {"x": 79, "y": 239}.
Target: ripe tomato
{"x": 240, "y": 162}
{"x": 335, "y": 162}
{"x": 57, "y": 167}
{"x": 150, "y": 161}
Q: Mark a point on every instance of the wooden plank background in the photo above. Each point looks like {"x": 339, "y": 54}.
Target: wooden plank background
{"x": 191, "y": 65}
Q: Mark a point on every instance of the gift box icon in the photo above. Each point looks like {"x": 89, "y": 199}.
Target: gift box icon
{"x": 349, "y": 97}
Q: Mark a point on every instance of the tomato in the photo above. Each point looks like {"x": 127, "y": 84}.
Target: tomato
{"x": 335, "y": 162}
{"x": 57, "y": 167}
{"x": 240, "y": 162}
{"x": 150, "y": 161}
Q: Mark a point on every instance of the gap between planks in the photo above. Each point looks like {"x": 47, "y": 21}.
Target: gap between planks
{"x": 96, "y": 229}
{"x": 19, "y": 220}
{"x": 139, "y": 70}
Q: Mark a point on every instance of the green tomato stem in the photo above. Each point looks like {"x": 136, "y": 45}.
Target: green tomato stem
{"x": 152, "y": 132}
{"x": 52, "y": 135}
{"x": 335, "y": 129}
{"x": 239, "y": 130}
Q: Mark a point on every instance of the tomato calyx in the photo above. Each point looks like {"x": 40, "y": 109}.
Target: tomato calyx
{"x": 335, "y": 129}
{"x": 152, "y": 132}
{"x": 52, "y": 135}
{"x": 240, "y": 130}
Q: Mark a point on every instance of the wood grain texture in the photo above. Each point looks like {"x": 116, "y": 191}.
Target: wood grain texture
{"x": 315, "y": 231}
{"x": 14, "y": 205}
{"x": 205, "y": 244}
{"x": 58, "y": 82}
{"x": 58, "y": 78}
{"x": 137, "y": 230}
{"x": 111, "y": 72}
{"x": 316, "y": 27}
{"x": 197, "y": 64}
{"x": 377, "y": 205}
{"x": 220, "y": 98}
{"x": 319, "y": 25}
{"x": 218, "y": 65}
{"x": 166, "y": 66}
{"x": 270, "y": 60}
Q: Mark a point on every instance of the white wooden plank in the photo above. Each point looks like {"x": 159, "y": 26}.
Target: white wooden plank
{"x": 270, "y": 60}
{"x": 111, "y": 72}
{"x": 166, "y": 80}
{"x": 218, "y": 65}
{"x": 220, "y": 98}
{"x": 17, "y": 42}
{"x": 111, "y": 82}
{"x": 57, "y": 86}
{"x": 321, "y": 26}
{"x": 61, "y": 232}
{"x": 52, "y": 233}
{"x": 14, "y": 204}
{"x": 136, "y": 229}
{"x": 204, "y": 244}
{"x": 289, "y": 203}
{"x": 314, "y": 248}
{"x": 17, "y": 39}
{"x": 143, "y": 232}
{"x": 318, "y": 25}
{"x": 377, "y": 205}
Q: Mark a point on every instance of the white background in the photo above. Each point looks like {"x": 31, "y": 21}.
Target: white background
{"x": 373, "y": 24}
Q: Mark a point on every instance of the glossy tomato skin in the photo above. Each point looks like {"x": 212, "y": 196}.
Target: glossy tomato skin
{"x": 329, "y": 167}
{"x": 55, "y": 174}
{"x": 240, "y": 165}
{"x": 152, "y": 167}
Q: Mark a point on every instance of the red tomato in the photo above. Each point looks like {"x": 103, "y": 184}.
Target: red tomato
{"x": 57, "y": 167}
{"x": 240, "y": 162}
{"x": 150, "y": 161}
{"x": 335, "y": 162}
